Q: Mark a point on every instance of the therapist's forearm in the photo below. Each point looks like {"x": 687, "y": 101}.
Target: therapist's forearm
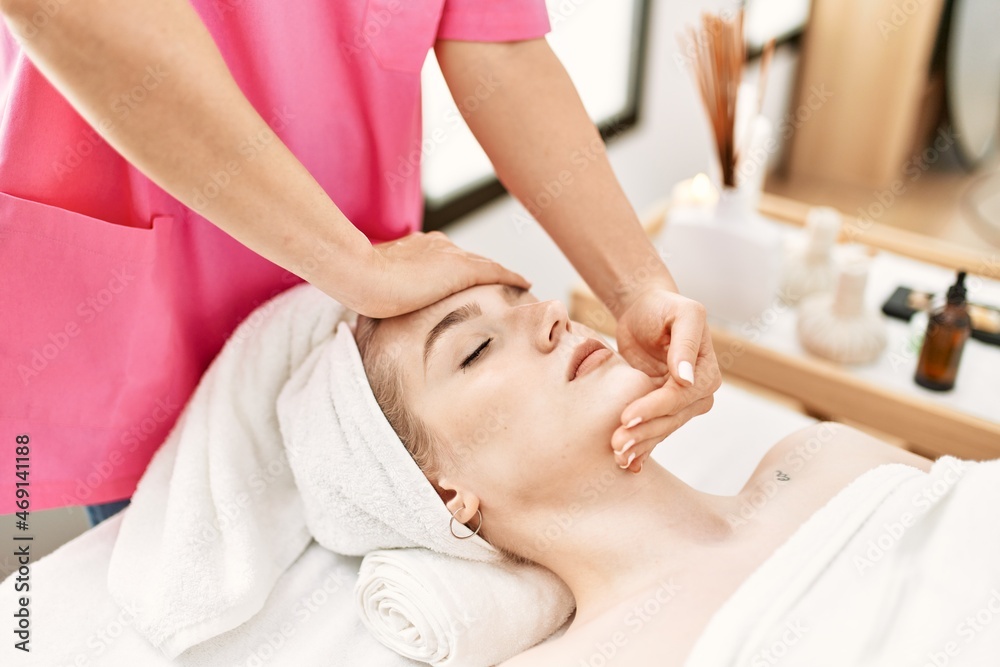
{"x": 549, "y": 155}
{"x": 191, "y": 130}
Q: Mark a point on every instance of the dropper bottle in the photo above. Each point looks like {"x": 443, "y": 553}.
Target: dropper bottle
{"x": 948, "y": 327}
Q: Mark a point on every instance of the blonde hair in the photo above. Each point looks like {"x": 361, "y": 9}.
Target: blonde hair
{"x": 386, "y": 380}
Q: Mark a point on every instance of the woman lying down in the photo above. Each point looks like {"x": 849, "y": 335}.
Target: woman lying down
{"x": 900, "y": 569}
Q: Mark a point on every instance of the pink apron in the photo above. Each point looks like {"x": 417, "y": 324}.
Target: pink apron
{"x": 115, "y": 297}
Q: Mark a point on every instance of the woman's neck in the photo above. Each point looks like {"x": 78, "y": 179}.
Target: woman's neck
{"x": 626, "y": 534}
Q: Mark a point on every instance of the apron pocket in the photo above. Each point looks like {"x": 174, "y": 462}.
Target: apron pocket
{"x": 83, "y": 321}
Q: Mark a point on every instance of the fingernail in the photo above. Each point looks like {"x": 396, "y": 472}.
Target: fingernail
{"x": 634, "y": 421}
{"x": 628, "y": 445}
{"x": 640, "y": 467}
{"x": 686, "y": 371}
{"x": 631, "y": 457}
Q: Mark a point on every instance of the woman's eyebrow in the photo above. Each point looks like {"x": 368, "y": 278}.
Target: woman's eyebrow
{"x": 452, "y": 319}
{"x": 511, "y": 294}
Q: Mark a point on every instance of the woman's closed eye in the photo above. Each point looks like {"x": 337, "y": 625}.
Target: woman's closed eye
{"x": 475, "y": 355}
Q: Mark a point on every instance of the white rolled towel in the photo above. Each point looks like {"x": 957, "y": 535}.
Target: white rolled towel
{"x": 455, "y": 612}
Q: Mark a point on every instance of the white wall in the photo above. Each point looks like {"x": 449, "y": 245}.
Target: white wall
{"x": 670, "y": 143}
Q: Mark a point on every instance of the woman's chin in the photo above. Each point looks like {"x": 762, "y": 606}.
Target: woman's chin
{"x": 620, "y": 385}
{"x": 630, "y": 383}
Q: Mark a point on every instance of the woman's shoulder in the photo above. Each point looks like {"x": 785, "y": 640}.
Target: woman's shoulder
{"x": 830, "y": 454}
{"x": 849, "y": 443}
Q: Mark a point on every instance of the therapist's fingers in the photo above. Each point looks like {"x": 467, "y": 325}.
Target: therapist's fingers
{"x": 665, "y": 402}
{"x": 667, "y": 399}
{"x": 671, "y": 396}
{"x": 422, "y": 268}
{"x": 647, "y": 436}
{"x": 687, "y": 337}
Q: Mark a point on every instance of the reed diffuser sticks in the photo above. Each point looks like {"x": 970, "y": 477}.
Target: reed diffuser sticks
{"x": 765, "y": 61}
{"x": 718, "y": 53}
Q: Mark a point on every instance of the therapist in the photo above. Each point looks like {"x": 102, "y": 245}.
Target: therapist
{"x": 167, "y": 166}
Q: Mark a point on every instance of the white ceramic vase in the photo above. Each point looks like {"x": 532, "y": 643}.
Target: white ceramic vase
{"x": 729, "y": 258}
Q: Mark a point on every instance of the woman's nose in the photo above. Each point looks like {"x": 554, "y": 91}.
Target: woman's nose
{"x": 554, "y": 322}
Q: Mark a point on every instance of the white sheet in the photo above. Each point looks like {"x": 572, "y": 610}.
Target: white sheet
{"x": 309, "y": 619}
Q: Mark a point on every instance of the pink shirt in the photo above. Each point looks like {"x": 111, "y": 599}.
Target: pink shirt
{"x": 115, "y": 297}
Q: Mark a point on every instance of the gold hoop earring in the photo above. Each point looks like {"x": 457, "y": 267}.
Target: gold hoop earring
{"x": 451, "y": 524}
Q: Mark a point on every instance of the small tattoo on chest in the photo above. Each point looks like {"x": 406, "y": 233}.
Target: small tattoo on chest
{"x": 782, "y": 477}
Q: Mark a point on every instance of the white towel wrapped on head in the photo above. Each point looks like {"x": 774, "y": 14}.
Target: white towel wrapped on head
{"x": 361, "y": 489}
{"x": 455, "y": 612}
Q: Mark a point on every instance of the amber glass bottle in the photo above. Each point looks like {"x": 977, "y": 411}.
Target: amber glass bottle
{"x": 948, "y": 327}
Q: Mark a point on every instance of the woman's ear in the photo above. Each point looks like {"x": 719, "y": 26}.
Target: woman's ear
{"x": 461, "y": 502}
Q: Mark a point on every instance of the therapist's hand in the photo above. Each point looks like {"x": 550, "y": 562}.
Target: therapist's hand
{"x": 666, "y": 336}
{"x": 421, "y": 268}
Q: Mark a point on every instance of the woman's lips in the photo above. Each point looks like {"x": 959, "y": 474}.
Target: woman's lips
{"x": 593, "y": 360}
{"x": 587, "y": 356}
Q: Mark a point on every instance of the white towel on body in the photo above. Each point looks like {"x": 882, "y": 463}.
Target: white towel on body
{"x": 899, "y": 568}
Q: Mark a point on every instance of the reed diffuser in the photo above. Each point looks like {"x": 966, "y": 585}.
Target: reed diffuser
{"x": 718, "y": 55}
{"x": 728, "y": 258}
